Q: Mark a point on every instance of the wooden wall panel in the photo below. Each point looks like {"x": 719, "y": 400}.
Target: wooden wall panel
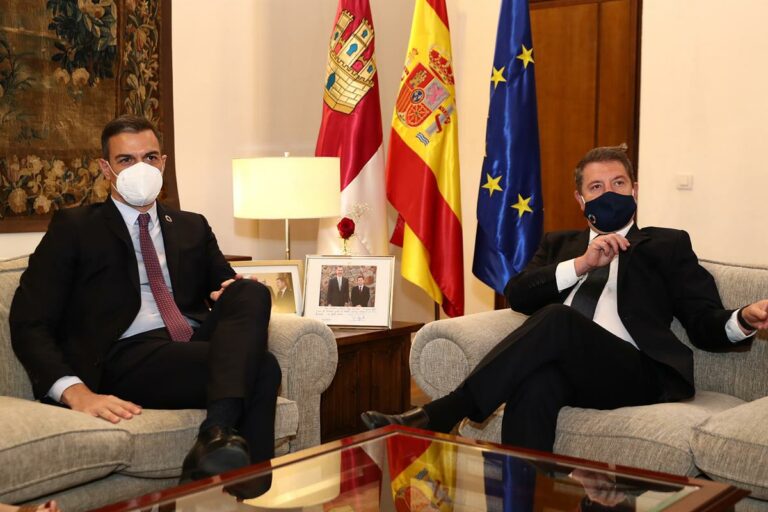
{"x": 586, "y": 54}
{"x": 565, "y": 41}
{"x": 616, "y": 76}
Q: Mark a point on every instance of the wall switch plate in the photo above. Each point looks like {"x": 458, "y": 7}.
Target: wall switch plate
{"x": 684, "y": 181}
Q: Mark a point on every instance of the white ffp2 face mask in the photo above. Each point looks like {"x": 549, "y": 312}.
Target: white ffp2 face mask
{"x": 139, "y": 184}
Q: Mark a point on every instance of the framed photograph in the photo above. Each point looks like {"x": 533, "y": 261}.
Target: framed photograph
{"x": 353, "y": 291}
{"x": 281, "y": 277}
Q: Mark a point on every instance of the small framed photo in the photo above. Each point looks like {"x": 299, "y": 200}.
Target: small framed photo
{"x": 353, "y": 291}
{"x": 283, "y": 279}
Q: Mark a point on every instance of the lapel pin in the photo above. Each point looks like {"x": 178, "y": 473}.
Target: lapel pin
{"x": 168, "y": 218}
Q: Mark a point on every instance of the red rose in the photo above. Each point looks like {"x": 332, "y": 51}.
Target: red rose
{"x": 346, "y": 227}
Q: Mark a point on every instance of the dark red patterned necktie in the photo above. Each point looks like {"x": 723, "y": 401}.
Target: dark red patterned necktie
{"x": 177, "y": 326}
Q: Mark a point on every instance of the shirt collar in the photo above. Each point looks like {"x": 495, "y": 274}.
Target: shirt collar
{"x": 623, "y": 231}
{"x": 131, "y": 214}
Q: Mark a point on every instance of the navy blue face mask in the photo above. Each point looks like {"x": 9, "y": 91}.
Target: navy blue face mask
{"x": 610, "y": 211}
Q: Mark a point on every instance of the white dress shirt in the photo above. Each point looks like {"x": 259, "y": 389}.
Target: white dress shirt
{"x": 607, "y": 310}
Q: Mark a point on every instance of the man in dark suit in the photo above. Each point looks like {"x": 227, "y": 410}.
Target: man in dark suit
{"x": 284, "y": 299}
{"x": 601, "y": 303}
{"x": 112, "y": 314}
{"x": 338, "y": 288}
{"x": 360, "y": 294}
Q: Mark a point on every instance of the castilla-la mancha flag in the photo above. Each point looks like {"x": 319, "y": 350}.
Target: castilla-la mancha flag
{"x": 351, "y": 130}
{"x": 423, "y": 162}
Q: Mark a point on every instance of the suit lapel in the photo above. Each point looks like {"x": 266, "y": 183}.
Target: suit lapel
{"x": 635, "y": 237}
{"x": 116, "y": 224}
{"x": 171, "y": 243}
{"x": 575, "y": 246}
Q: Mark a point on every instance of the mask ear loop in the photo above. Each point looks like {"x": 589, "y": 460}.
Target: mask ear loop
{"x": 110, "y": 168}
{"x": 112, "y": 183}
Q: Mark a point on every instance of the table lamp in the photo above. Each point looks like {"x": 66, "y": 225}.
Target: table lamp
{"x": 286, "y": 188}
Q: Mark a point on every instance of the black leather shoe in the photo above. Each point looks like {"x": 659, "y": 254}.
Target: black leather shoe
{"x": 251, "y": 488}
{"x": 416, "y": 418}
{"x": 217, "y": 450}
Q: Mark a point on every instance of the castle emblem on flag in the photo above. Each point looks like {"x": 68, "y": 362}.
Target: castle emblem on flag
{"x": 424, "y": 95}
{"x": 351, "y": 66}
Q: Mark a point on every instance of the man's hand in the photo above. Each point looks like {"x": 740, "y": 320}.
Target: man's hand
{"x": 600, "y": 252}
{"x": 756, "y": 315}
{"x": 216, "y": 294}
{"x": 79, "y": 398}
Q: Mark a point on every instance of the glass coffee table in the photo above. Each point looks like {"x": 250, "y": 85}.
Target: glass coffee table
{"x": 402, "y": 469}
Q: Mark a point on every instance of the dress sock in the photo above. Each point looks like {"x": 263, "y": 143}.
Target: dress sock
{"x": 444, "y": 413}
{"x": 225, "y": 412}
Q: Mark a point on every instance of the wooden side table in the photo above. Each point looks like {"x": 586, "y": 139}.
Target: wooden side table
{"x": 372, "y": 373}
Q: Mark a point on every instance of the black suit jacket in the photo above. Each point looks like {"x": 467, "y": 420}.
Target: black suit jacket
{"x": 81, "y": 289}
{"x": 659, "y": 278}
{"x": 360, "y": 298}
{"x": 338, "y": 296}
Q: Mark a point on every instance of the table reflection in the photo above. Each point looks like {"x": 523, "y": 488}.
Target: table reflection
{"x": 410, "y": 473}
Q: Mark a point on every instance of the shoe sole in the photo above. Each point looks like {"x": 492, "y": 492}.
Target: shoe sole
{"x": 222, "y": 460}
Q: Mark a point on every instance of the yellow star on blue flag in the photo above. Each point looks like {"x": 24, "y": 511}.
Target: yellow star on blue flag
{"x": 498, "y": 76}
{"x": 492, "y": 184}
{"x": 522, "y": 205}
{"x": 526, "y": 56}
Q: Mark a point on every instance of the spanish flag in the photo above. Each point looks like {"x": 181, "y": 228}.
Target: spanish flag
{"x": 423, "y": 162}
{"x": 423, "y": 474}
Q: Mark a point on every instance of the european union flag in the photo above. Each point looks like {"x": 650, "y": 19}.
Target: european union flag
{"x": 510, "y": 483}
{"x": 510, "y": 211}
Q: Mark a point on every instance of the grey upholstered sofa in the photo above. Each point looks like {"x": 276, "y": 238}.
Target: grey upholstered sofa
{"x": 49, "y": 452}
{"x": 721, "y": 433}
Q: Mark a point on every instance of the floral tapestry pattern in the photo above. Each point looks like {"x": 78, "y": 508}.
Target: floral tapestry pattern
{"x": 66, "y": 68}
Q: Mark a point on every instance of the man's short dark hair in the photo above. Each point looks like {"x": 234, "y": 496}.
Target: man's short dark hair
{"x": 604, "y": 154}
{"x": 125, "y": 124}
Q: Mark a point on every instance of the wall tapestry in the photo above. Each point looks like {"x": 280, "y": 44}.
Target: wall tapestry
{"x": 66, "y": 68}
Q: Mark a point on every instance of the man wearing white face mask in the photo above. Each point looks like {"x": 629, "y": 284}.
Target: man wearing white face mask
{"x": 601, "y": 301}
{"x": 130, "y": 304}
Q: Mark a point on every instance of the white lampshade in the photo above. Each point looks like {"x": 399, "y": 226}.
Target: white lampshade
{"x": 286, "y": 187}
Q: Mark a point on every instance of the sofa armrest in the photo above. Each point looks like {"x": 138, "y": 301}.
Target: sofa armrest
{"x": 307, "y": 353}
{"x": 445, "y": 351}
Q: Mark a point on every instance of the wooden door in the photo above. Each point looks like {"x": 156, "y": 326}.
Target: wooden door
{"x": 587, "y": 66}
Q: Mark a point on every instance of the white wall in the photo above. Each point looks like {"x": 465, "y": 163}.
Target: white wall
{"x": 17, "y": 244}
{"x": 250, "y": 84}
{"x": 704, "y": 112}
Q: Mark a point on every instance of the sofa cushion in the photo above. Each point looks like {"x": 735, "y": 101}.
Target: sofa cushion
{"x": 44, "y": 449}
{"x": 13, "y": 379}
{"x": 160, "y": 439}
{"x": 653, "y": 437}
{"x": 733, "y": 447}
